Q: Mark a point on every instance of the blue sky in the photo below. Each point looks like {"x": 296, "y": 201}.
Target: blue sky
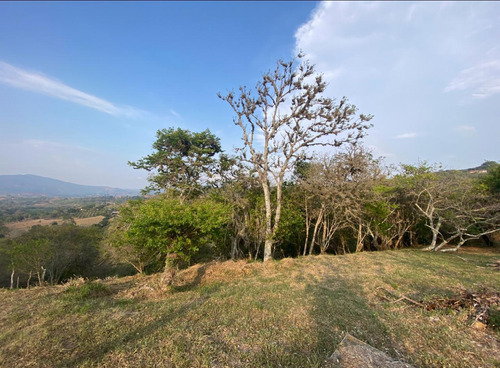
{"x": 84, "y": 86}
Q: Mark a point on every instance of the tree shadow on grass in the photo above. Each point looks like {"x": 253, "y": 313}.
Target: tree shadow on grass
{"x": 336, "y": 306}
{"x": 200, "y": 272}
{"x": 98, "y": 351}
{"x": 340, "y": 306}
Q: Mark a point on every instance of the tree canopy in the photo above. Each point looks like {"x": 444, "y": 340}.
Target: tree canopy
{"x": 182, "y": 161}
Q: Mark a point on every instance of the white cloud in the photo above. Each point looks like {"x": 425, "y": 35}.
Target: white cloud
{"x": 39, "y": 83}
{"x": 482, "y": 80}
{"x": 406, "y": 135}
{"x": 398, "y": 42}
{"x": 394, "y": 59}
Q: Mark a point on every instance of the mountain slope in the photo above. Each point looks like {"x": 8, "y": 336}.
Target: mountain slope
{"x": 42, "y": 186}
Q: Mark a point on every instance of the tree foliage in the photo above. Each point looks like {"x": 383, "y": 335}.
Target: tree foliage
{"x": 171, "y": 227}
{"x": 56, "y": 253}
{"x": 182, "y": 161}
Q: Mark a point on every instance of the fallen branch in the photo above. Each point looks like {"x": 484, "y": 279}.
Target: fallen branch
{"x": 409, "y": 300}
{"x": 399, "y": 297}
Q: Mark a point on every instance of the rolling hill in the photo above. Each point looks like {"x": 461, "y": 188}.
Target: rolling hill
{"x": 33, "y": 185}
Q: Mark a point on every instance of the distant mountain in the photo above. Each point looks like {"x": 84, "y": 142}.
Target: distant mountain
{"x": 33, "y": 185}
{"x": 485, "y": 166}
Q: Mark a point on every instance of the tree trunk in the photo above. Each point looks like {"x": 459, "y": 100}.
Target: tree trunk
{"x": 307, "y": 228}
{"x": 343, "y": 243}
{"x": 234, "y": 247}
{"x": 268, "y": 244}
{"x": 360, "y": 245}
{"x": 454, "y": 249}
{"x": 12, "y": 278}
{"x": 44, "y": 270}
{"x": 318, "y": 222}
{"x": 171, "y": 267}
{"x": 324, "y": 244}
{"x": 435, "y": 233}
{"x": 268, "y": 249}
{"x": 39, "y": 277}
{"x": 28, "y": 282}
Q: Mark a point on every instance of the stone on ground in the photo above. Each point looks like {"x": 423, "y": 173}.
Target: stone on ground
{"x": 354, "y": 353}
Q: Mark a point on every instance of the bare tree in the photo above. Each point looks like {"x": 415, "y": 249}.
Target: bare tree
{"x": 343, "y": 184}
{"x": 456, "y": 210}
{"x": 473, "y": 213}
{"x": 287, "y": 116}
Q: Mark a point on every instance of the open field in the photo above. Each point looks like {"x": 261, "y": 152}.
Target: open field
{"x": 20, "y": 227}
{"x": 288, "y": 313}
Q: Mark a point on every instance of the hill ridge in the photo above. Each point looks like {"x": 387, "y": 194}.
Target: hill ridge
{"x": 35, "y": 185}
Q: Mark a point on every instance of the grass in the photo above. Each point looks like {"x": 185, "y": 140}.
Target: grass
{"x": 288, "y": 313}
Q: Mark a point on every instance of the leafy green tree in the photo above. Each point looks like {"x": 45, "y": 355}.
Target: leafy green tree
{"x": 182, "y": 161}
{"x": 127, "y": 248}
{"x": 492, "y": 179}
{"x": 31, "y": 255}
{"x": 172, "y": 227}
{"x": 56, "y": 253}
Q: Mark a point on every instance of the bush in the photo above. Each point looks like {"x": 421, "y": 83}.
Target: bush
{"x": 167, "y": 226}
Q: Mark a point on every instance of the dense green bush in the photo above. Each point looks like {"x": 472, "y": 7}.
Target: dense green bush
{"x": 169, "y": 227}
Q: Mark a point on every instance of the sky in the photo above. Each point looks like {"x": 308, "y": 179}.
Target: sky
{"x": 84, "y": 86}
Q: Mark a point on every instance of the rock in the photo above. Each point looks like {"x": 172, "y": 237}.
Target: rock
{"x": 354, "y": 353}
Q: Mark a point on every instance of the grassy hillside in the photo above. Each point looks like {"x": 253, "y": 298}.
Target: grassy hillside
{"x": 291, "y": 313}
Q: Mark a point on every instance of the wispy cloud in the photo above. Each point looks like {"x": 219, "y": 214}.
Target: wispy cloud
{"x": 39, "y": 83}
{"x": 482, "y": 80}
{"x": 466, "y": 128}
{"x": 411, "y": 11}
{"x": 175, "y": 113}
{"x": 52, "y": 146}
{"x": 406, "y": 135}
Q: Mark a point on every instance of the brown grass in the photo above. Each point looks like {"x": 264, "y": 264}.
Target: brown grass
{"x": 288, "y": 313}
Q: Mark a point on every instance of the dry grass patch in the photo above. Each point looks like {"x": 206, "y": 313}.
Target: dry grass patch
{"x": 20, "y": 227}
{"x": 288, "y": 313}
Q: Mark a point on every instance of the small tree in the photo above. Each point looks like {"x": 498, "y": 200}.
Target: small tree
{"x": 31, "y": 255}
{"x": 54, "y": 253}
{"x": 174, "y": 228}
{"x": 287, "y": 116}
